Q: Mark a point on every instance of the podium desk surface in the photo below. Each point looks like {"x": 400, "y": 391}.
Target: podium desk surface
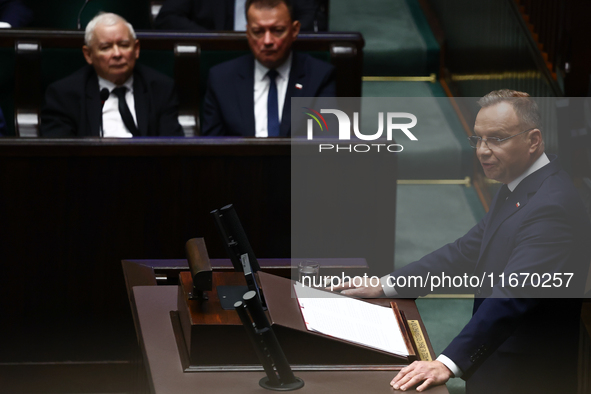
{"x": 153, "y": 305}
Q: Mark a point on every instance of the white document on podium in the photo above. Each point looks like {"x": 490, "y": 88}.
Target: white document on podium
{"x": 351, "y": 320}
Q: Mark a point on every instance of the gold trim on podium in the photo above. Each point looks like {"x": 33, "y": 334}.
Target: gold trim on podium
{"x": 429, "y": 78}
{"x": 419, "y": 339}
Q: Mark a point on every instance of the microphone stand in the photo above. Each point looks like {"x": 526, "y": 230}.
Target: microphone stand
{"x": 80, "y": 13}
{"x": 267, "y": 348}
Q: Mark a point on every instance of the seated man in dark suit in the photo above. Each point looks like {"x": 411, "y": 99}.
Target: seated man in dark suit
{"x": 250, "y": 95}
{"x": 3, "y": 130}
{"x": 206, "y": 15}
{"x": 112, "y": 96}
{"x": 523, "y": 336}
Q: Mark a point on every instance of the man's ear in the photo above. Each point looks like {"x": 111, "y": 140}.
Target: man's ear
{"x": 136, "y": 48}
{"x": 296, "y": 28}
{"x": 535, "y": 138}
{"x": 86, "y": 51}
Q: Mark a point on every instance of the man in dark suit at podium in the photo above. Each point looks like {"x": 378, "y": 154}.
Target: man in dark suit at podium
{"x": 518, "y": 340}
{"x": 112, "y": 96}
{"x": 250, "y": 96}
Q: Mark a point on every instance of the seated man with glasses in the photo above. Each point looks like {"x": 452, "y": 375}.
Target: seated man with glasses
{"x": 520, "y": 338}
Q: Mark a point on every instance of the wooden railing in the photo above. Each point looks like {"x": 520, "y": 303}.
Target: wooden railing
{"x": 561, "y": 30}
{"x": 345, "y": 51}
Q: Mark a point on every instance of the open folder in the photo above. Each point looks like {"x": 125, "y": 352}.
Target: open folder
{"x": 354, "y": 320}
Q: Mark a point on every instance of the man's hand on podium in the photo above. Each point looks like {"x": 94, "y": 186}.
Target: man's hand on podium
{"x": 430, "y": 373}
{"x": 361, "y": 292}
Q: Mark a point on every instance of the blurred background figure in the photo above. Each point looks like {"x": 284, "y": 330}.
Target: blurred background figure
{"x": 206, "y": 15}
{"x": 13, "y": 14}
{"x": 3, "y": 130}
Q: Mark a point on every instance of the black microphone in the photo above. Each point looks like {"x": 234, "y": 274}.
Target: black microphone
{"x": 80, "y": 13}
{"x": 104, "y": 96}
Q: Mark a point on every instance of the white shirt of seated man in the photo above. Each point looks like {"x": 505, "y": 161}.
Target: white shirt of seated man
{"x": 239, "y": 15}
{"x": 261, "y": 93}
{"x": 113, "y": 125}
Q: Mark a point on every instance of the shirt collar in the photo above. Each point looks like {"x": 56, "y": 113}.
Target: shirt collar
{"x": 539, "y": 163}
{"x": 260, "y": 71}
{"x": 103, "y": 83}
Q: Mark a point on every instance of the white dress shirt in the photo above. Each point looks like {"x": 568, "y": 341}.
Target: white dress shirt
{"x": 239, "y": 15}
{"x": 261, "y": 93}
{"x": 539, "y": 163}
{"x": 391, "y": 291}
{"x": 113, "y": 125}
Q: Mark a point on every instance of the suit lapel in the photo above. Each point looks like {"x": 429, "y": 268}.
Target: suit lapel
{"x": 93, "y": 105}
{"x": 141, "y": 103}
{"x": 297, "y": 75}
{"x": 516, "y": 201}
{"x": 245, "y": 96}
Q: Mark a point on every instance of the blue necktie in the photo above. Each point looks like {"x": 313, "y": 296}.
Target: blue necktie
{"x": 272, "y": 106}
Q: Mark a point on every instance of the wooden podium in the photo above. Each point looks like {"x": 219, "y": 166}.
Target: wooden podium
{"x": 151, "y": 308}
{"x": 210, "y": 338}
{"x": 152, "y": 300}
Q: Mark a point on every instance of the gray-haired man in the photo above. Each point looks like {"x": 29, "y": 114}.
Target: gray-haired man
{"x": 140, "y": 101}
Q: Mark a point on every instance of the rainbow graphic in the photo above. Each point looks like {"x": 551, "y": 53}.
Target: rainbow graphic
{"x": 316, "y": 118}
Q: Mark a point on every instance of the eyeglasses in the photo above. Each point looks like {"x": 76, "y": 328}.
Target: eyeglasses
{"x": 491, "y": 142}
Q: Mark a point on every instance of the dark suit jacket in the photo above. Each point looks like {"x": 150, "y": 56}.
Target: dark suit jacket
{"x": 205, "y": 15}
{"x": 73, "y": 106}
{"x": 15, "y": 13}
{"x": 228, "y": 109}
{"x": 3, "y": 129}
{"x": 512, "y": 344}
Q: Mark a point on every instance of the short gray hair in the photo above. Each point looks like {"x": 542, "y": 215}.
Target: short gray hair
{"x": 524, "y": 106}
{"x": 107, "y": 19}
